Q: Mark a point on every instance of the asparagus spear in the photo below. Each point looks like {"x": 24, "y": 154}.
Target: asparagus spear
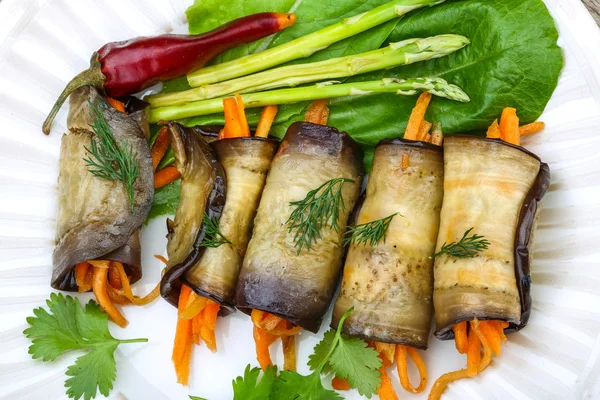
{"x": 326, "y": 90}
{"x": 396, "y": 54}
{"x": 306, "y": 45}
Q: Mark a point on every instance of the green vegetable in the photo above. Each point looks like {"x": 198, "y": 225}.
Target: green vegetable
{"x": 393, "y": 55}
{"x": 70, "y": 327}
{"x": 371, "y": 232}
{"x": 324, "y": 90}
{"x": 108, "y": 159}
{"x": 466, "y": 247}
{"x": 348, "y": 358}
{"x": 306, "y": 45}
{"x": 196, "y": 398}
{"x": 166, "y": 200}
{"x": 214, "y": 237}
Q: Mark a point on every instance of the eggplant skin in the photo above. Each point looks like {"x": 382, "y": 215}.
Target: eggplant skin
{"x": 246, "y": 162}
{"x": 496, "y": 188}
{"x": 94, "y": 215}
{"x": 203, "y": 190}
{"x": 274, "y": 277}
{"x": 390, "y": 284}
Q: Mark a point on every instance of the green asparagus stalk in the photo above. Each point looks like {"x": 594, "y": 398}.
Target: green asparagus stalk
{"x": 325, "y": 90}
{"x": 396, "y": 54}
{"x": 306, "y": 45}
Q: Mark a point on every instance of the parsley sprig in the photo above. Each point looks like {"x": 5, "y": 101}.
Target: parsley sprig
{"x": 214, "y": 237}
{"x": 371, "y": 232}
{"x": 68, "y": 326}
{"x": 466, "y": 247}
{"x": 108, "y": 159}
{"x": 320, "y": 208}
{"x": 346, "y": 357}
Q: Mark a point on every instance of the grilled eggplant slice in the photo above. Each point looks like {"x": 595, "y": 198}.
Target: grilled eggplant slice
{"x": 246, "y": 162}
{"x": 203, "y": 189}
{"x": 390, "y": 284}
{"x": 95, "y": 220}
{"x": 495, "y": 188}
{"x": 276, "y": 278}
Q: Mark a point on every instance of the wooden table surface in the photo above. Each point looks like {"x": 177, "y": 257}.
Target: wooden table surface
{"x": 594, "y": 7}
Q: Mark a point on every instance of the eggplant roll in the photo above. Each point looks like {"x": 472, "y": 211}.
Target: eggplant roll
{"x": 246, "y": 162}
{"x": 276, "y": 278}
{"x": 95, "y": 221}
{"x": 390, "y": 284}
{"x": 495, "y": 188}
{"x": 202, "y": 192}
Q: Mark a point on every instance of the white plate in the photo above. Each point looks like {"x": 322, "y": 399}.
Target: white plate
{"x": 43, "y": 43}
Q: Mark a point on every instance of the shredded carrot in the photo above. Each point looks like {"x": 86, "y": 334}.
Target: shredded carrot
{"x": 118, "y": 105}
{"x": 242, "y": 116}
{"x": 267, "y": 117}
{"x": 116, "y": 295}
{"x": 161, "y": 259}
{"x": 193, "y": 307}
{"x": 442, "y": 382}
{"x": 488, "y": 328}
{"x": 263, "y": 340}
{"x": 424, "y": 130}
{"x": 493, "y": 131}
{"x": 500, "y": 327}
{"x": 387, "y": 352}
{"x": 437, "y": 135}
{"x": 197, "y": 327}
{"x": 99, "y": 286}
{"x": 160, "y": 146}
{"x": 289, "y": 352}
{"x": 340, "y": 384}
{"x": 83, "y": 277}
{"x": 405, "y": 161}
{"x": 138, "y": 301}
{"x": 401, "y": 364}
{"x": 531, "y": 128}
{"x": 318, "y": 112}
{"x": 428, "y": 138}
{"x": 114, "y": 278}
{"x": 460, "y": 337}
{"x": 473, "y": 354}
{"x": 273, "y": 324}
{"x": 509, "y": 126}
{"x": 487, "y": 349}
{"x": 182, "y": 347}
{"x": 417, "y": 116}
{"x": 166, "y": 176}
{"x": 386, "y": 391}
{"x": 209, "y": 324}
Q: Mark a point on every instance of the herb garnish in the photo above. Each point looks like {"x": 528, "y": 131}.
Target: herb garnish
{"x": 370, "y": 232}
{"x": 68, "y": 326}
{"x": 214, "y": 238}
{"x": 467, "y": 246}
{"x": 108, "y": 159}
{"x": 320, "y": 208}
{"x": 348, "y": 358}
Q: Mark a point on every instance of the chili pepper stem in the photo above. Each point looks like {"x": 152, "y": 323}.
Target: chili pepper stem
{"x": 92, "y": 76}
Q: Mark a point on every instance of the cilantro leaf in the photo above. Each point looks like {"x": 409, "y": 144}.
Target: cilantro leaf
{"x": 321, "y": 351}
{"x": 196, "y": 398}
{"x": 292, "y": 386}
{"x": 247, "y": 388}
{"x": 359, "y": 364}
{"x": 68, "y": 326}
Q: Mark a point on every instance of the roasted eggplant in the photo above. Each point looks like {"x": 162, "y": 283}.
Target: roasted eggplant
{"x": 203, "y": 191}
{"x": 95, "y": 220}
{"x": 275, "y": 277}
{"x": 390, "y": 284}
{"x": 246, "y": 162}
{"x": 494, "y": 189}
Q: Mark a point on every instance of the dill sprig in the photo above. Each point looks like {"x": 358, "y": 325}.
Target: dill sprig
{"x": 109, "y": 160}
{"x": 214, "y": 237}
{"x": 466, "y": 247}
{"x": 320, "y": 208}
{"x": 370, "y": 232}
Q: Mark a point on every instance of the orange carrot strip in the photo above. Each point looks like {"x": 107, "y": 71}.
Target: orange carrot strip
{"x": 500, "y": 327}
{"x": 442, "y": 382}
{"x": 232, "y": 122}
{"x": 267, "y": 117}
{"x": 273, "y": 324}
{"x": 405, "y": 161}
{"x": 124, "y": 280}
{"x": 487, "y": 349}
{"x": 493, "y": 131}
{"x": 509, "y": 126}
{"x": 242, "y": 116}
{"x": 387, "y": 352}
{"x": 531, "y": 128}
{"x": 182, "y": 369}
{"x": 197, "y": 327}
{"x": 161, "y": 258}
{"x": 99, "y": 286}
{"x": 460, "y": 337}
{"x": 263, "y": 340}
{"x": 386, "y": 391}
{"x": 428, "y": 138}
{"x": 473, "y": 354}
{"x": 488, "y": 329}
{"x": 82, "y": 277}
{"x": 424, "y": 130}
{"x": 437, "y": 135}
{"x": 114, "y": 278}
{"x": 401, "y": 364}
{"x": 195, "y": 304}
{"x": 166, "y": 176}
{"x": 340, "y": 384}
{"x": 289, "y": 352}
{"x": 318, "y": 112}
{"x": 209, "y": 324}
{"x": 417, "y": 116}
{"x": 182, "y": 346}
{"x": 160, "y": 146}
{"x": 116, "y": 295}
{"x": 118, "y": 105}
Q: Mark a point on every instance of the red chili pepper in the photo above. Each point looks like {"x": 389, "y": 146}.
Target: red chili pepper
{"x": 123, "y": 68}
